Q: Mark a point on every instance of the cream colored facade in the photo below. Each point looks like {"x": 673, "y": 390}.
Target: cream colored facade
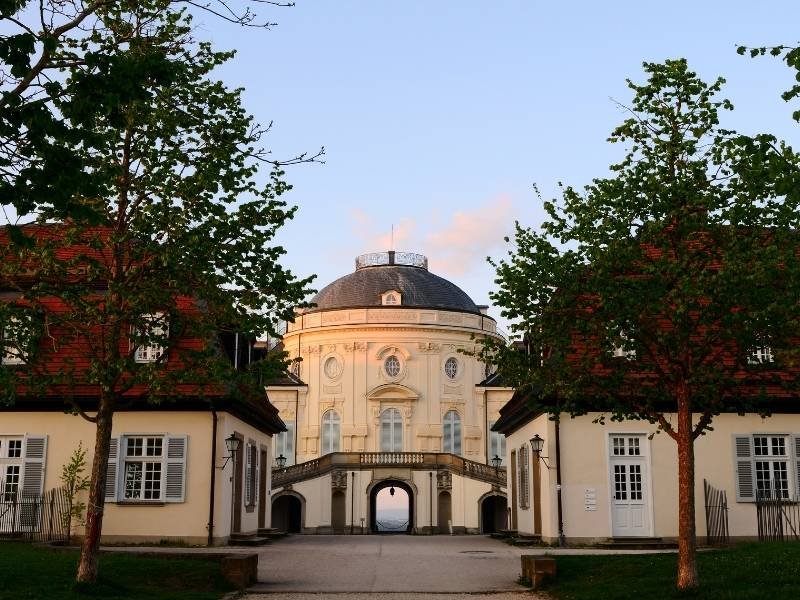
{"x": 590, "y": 509}
{"x": 342, "y": 355}
{"x": 184, "y": 517}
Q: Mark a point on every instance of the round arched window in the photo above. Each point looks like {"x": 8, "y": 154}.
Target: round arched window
{"x": 332, "y": 367}
{"x": 392, "y": 366}
{"x": 451, "y": 368}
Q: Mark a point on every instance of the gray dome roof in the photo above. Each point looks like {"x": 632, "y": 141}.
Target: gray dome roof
{"x": 403, "y": 272}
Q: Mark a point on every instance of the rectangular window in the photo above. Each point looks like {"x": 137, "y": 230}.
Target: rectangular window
{"x": 620, "y": 483}
{"x": 10, "y": 483}
{"x": 150, "y": 343}
{"x": 143, "y": 468}
{"x": 284, "y": 443}
{"x": 497, "y": 444}
{"x": 760, "y": 355}
{"x": 771, "y": 466}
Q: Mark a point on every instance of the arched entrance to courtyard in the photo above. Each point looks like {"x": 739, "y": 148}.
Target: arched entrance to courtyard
{"x": 288, "y": 512}
{"x": 493, "y": 509}
{"x": 391, "y": 504}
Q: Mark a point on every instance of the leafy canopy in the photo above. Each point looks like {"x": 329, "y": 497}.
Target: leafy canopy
{"x": 662, "y": 279}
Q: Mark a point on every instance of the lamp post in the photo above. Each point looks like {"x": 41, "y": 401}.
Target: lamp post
{"x": 496, "y": 462}
{"x": 281, "y": 461}
{"x": 232, "y": 444}
{"x": 537, "y": 443}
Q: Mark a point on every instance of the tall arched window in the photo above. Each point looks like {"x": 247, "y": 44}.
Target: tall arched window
{"x": 452, "y": 432}
{"x": 331, "y": 426}
{"x": 391, "y": 431}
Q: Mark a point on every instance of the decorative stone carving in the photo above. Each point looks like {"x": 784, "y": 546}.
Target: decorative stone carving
{"x": 355, "y": 347}
{"x": 332, "y": 389}
{"x": 429, "y": 347}
{"x": 444, "y": 480}
{"x": 313, "y": 349}
{"x": 451, "y": 390}
{"x": 339, "y": 480}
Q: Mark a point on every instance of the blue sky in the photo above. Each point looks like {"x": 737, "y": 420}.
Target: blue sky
{"x": 439, "y": 116}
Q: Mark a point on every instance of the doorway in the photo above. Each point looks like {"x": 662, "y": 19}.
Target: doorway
{"x": 287, "y": 513}
{"x": 629, "y": 481}
{"x": 445, "y": 512}
{"x": 391, "y": 507}
{"x": 494, "y": 512}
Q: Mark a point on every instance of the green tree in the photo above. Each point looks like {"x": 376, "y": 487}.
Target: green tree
{"x": 74, "y": 482}
{"x": 176, "y": 240}
{"x": 43, "y": 42}
{"x": 646, "y": 294}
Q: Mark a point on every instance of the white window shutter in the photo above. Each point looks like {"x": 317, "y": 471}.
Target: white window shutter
{"x": 34, "y": 459}
{"x": 257, "y": 484}
{"x": 111, "y": 473}
{"x": 796, "y": 449}
{"x": 745, "y": 475}
{"x": 177, "y": 446}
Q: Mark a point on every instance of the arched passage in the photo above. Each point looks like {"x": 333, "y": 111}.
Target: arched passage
{"x": 400, "y": 487}
{"x": 444, "y": 512}
{"x": 287, "y": 513}
{"x": 493, "y": 509}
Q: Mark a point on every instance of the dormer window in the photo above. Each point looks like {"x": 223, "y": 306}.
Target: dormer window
{"x": 391, "y": 298}
{"x": 760, "y": 355}
{"x": 151, "y": 338}
{"x": 16, "y": 336}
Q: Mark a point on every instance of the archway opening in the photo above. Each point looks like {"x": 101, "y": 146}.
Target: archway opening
{"x": 493, "y": 514}
{"x": 392, "y": 508}
{"x": 444, "y": 512}
{"x": 287, "y": 514}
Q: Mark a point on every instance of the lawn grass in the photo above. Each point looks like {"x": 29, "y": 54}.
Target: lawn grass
{"x": 747, "y": 571}
{"x": 27, "y": 572}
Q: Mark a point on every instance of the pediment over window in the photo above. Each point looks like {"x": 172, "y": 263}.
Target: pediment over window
{"x": 392, "y": 391}
{"x": 391, "y": 298}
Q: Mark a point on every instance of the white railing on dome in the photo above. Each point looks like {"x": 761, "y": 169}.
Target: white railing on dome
{"x": 375, "y": 259}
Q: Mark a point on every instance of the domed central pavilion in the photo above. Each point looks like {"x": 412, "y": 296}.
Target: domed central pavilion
{"x": 383, "y": 394}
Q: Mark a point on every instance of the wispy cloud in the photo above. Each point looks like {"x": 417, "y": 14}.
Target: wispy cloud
{"x": 470, "y": 236}
{"x": 453, "y": 250}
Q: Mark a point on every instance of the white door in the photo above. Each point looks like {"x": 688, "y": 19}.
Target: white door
{"x": 629, "y": 486}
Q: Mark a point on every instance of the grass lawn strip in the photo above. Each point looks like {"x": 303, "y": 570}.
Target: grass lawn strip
{"x": 751, "y": 571}
{"x": 28, "y": 572}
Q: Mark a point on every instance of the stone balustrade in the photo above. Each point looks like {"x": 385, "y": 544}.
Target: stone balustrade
{"x": 418, "y": 461}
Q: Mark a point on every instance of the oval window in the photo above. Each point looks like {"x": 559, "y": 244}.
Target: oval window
{"x": 392, "y": 366}
{"x": 451, "y": 368}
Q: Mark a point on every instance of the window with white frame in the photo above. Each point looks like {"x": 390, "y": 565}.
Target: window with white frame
{"x": 497, "y": 444}
{"x": 16, "y": 335}
{"x": 250, "y": 474}
{"x": 150, "y": 341}
{"x": 284, "y": 443}
{"x": 392, "y": 366}
{"x": 331, "y": 431}
{"x": 143, "y": 468}
{"x": 771, "y": 465}
{"x": 10, "y": 467}
{"x": 767, "y": 465}
{"x": 391, "y": 430}
{"x": 451, "y": 429}
{"x": 391, "y": 298}
{"x": 760, "y": 355}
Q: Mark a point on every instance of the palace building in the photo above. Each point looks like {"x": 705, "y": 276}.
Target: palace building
{"x": 384, "y": 396}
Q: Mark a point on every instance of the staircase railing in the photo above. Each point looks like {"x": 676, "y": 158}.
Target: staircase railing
{"x": 419, "y": 461}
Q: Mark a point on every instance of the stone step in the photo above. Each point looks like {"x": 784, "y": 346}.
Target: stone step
{"x": 238, "y": 539}
{"x": 271, "y": 533}
{"x": 637, "y": 543}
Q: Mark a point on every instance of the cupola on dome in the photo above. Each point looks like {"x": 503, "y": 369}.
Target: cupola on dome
{"x": 402, "y": 278}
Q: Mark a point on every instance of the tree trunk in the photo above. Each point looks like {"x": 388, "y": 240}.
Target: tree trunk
{"x": 90, "y": 548}
{"x": 687, "y": 535}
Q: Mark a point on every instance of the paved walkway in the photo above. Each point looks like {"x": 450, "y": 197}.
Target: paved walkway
{"x": 407, "y": 565}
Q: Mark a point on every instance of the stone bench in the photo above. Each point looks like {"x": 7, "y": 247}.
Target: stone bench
{"x": 240, "y": 569}
{"x": 538, "y": 569}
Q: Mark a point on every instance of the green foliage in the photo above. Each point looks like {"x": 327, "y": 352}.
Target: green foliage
{"x": 74, "y": 482}
{"x": 178, "y": 223}
{"x": 791, "y": 56}
{"x": 682, "y": 261}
